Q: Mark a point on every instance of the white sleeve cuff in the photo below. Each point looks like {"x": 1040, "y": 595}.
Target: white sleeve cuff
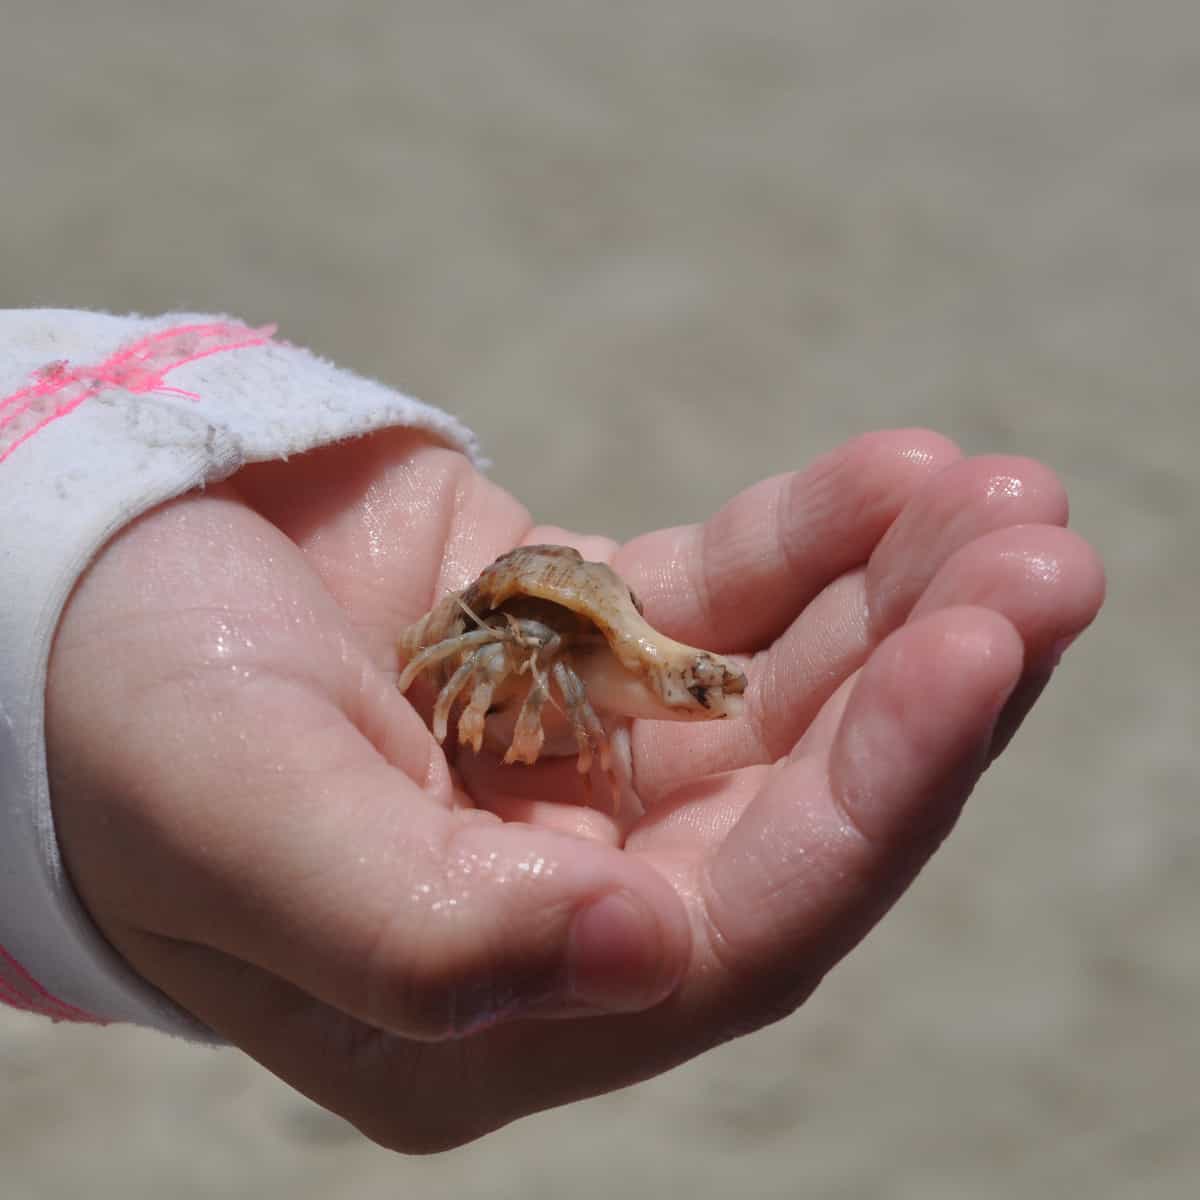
{"x": 102, "y": 418}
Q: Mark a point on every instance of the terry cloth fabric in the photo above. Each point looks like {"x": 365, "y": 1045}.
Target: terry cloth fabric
{"x": 103, "y": 417}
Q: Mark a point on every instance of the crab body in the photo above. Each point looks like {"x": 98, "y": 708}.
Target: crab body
{"x": 543, "y": 638}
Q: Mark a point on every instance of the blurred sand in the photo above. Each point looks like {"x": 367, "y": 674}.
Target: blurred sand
{"x": 686, "y": 244}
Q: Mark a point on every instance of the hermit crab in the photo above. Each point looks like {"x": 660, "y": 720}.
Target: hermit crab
{"x": 552, "y": 654}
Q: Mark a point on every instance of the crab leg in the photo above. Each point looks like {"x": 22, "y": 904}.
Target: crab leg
{"x": 588, "y": 728}
{"x": 528, "y": 734}
{"x": 591, "y": 721}
{"x": 440, "y": 651}
{"x": 574, "y": 697}
{"x": 586, "y": 724}
{"x": 450, "y": 693}
{"x": 492, "y": 667}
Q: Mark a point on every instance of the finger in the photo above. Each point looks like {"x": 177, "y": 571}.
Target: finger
{"x": 966, "y": 500}
{"x": 734, "y": 582}
{"x": 831, "y": 638}
{"x": 1050, "y": 586}
{"x": 840, "y": 830}
{"x": 1035, "y": 575}
{"x": 1044, "y": 579}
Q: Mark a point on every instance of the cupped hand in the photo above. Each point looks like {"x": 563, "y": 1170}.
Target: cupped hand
{"x": 268, "y": 833}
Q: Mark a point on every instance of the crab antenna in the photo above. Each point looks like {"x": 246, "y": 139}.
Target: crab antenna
{"x": 471, "y": 613}
{"x": 543, "y": 681}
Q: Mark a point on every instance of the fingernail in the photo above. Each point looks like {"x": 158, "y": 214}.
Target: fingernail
{"x": 615, "y": 955}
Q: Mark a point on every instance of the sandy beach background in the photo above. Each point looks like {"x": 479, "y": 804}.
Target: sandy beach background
{"x": 652, "y": 251}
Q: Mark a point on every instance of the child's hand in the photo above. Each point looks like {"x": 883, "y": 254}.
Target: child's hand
{"x": 267, "y": 831}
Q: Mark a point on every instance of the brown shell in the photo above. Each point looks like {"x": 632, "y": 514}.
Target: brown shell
{"x": 683, "y": 677}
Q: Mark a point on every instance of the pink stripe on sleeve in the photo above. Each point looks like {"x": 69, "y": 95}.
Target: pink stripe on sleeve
{"x": 59, "y": 388}
{"x": 19, "y": 989}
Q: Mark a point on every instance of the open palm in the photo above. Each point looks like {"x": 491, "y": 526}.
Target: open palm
{"x": 267, "y": 831}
